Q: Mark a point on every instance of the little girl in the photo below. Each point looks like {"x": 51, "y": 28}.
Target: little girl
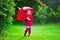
{"x": 28, "y": 19}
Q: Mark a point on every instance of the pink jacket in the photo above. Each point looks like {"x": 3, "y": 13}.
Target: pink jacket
{"x": 28, "y": 22}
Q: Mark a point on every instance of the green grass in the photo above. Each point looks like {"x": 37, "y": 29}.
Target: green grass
{"x": 39, "y": 32}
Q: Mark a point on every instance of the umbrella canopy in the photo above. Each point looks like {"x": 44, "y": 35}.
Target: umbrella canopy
{"x": 22, "y": 12}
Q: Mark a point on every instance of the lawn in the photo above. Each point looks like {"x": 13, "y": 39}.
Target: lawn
{"x": 39, "y": 32}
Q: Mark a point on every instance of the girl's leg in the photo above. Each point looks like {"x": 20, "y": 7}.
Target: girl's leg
{"x": 29, "y": 31}
{"x": 26, "y": 31}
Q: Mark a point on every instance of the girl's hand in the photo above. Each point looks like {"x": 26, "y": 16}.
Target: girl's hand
{"x": 28, "y": 19}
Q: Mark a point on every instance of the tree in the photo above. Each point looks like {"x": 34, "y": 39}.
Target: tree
{"x": 7, "y": 10}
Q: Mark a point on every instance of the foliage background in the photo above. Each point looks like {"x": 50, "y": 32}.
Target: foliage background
{"x": 45, "y": 11}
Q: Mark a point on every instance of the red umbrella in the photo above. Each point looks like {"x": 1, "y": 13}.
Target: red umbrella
{"x": 22, "y": 12}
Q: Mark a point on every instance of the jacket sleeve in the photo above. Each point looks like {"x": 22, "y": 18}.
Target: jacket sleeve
{"x": 30, "y": 18}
